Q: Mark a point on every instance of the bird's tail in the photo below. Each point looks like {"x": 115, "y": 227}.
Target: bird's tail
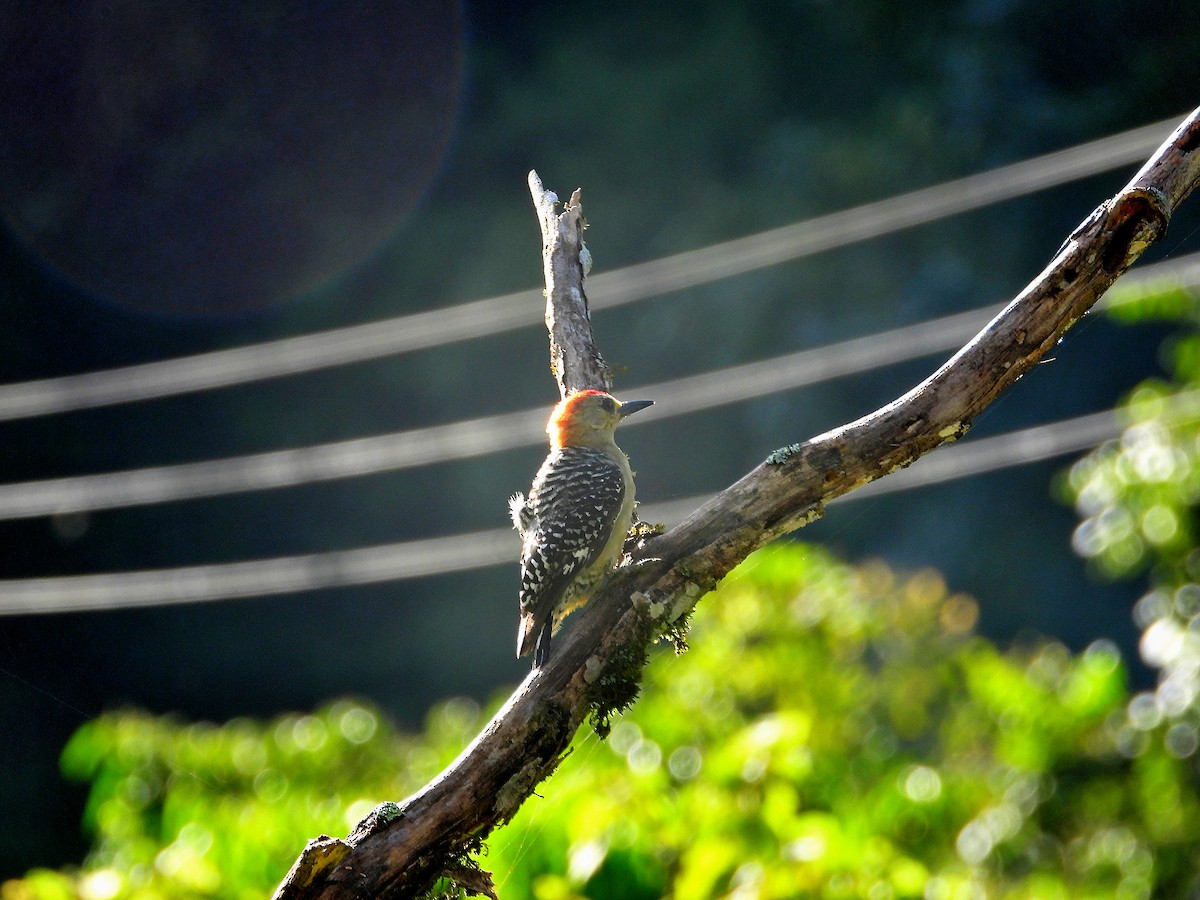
{"x": 531, "y": 637}
{"x": 526, "y": 634}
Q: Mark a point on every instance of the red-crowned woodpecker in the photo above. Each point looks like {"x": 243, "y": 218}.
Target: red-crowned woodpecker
{"x": 576, "y": 517}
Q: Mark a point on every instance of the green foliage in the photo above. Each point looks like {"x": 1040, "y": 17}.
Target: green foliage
{"x": 839, "y": 732}
{"x": 198, "y": 810}
{"x": 835, "y": 732}
{"x": 1137, "y": 497}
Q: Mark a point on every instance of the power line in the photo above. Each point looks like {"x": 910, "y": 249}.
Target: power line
{"x": 870, "y": 220}
{"x": 403, "y": 334}
{"x": 258, "y": 578}
{"x": 481, "y": 549}
{"x": 470, "y": 438}
{"x": 273, "y": 469}
{"x": 479, "y": 437}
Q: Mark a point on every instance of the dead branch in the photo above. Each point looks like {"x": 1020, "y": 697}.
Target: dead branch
{"x": 574, "y": 359}
{"x": 401, "y": 849}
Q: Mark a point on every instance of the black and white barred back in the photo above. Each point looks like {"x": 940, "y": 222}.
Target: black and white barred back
{"x": 565, "y": 523}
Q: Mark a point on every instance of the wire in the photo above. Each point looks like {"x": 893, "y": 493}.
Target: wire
{"x": 417, "y": 331}
{"x": 479, "y": 437}
{"x": 258, "y": 578}
{"x": 274, "y": 469}
{"x": 878, "y": 218}
{"x": 482, "y": 549}
{"x": 469, "y": 438}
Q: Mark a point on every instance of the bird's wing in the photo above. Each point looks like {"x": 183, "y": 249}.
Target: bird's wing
{"x": 573, "y": 518}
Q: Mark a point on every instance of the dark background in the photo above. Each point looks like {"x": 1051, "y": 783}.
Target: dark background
{"x": 174, "y": 180}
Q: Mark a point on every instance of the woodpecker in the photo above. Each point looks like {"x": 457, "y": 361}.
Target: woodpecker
{"x": 576, "y": 517}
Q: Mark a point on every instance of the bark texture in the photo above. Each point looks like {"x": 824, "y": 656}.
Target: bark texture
{"x": 574, "y": 360}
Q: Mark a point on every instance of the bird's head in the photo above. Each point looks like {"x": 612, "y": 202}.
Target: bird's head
{"x": 589, "y": 418}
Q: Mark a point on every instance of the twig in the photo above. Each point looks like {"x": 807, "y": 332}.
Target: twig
{"x": 402, "y": 848}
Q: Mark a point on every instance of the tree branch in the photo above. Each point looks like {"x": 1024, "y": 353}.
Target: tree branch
{"x": 401, "y": 849}
{"x": 574, "y": 359}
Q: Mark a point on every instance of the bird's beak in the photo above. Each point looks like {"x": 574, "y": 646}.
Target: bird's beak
{"x": 629, "y": 407}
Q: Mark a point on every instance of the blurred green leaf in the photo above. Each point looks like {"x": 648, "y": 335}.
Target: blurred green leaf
{"x": 836, "y": 731}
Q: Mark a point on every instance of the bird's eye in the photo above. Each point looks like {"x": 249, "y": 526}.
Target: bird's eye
{"x": 608, "y": 404}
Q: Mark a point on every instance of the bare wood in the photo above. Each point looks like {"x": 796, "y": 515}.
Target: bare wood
{"x": 401, "y": 848}
{"x": 574, "y": 359}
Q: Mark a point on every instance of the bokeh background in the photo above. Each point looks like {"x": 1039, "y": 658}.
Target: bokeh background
{"x": 175, "y": 181}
